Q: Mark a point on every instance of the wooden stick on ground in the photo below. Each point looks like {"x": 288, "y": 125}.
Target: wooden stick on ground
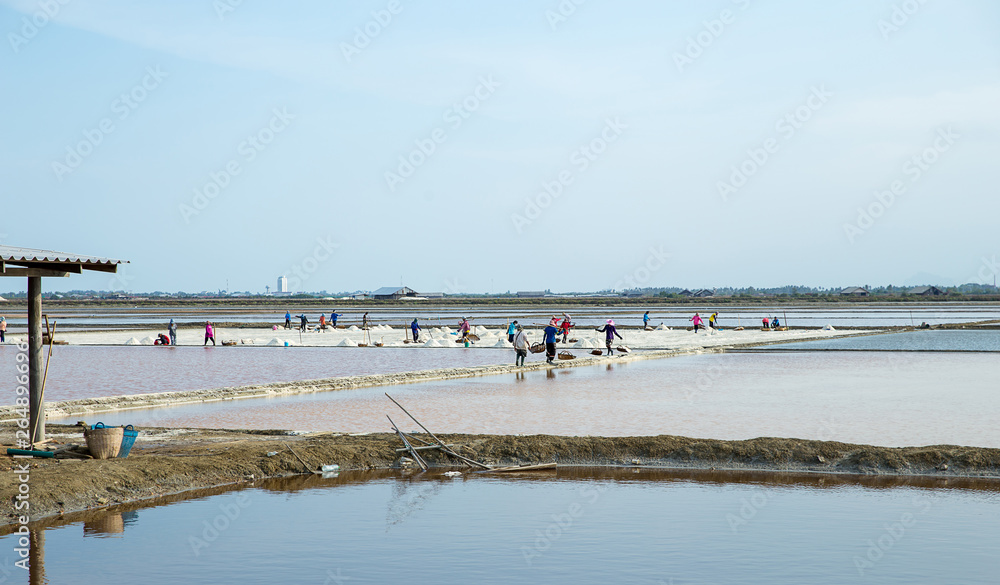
{"x": 413, "y": 452}
{"x": 444, "y": 447}
{"x": 304, "y": 464}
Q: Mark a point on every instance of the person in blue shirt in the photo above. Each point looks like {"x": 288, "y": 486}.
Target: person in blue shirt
{"x": 288, "y": 320}
{"x": 645, "y": 320}
{"x": 551, "y": 333}
{"x": 333, "y": 318}
{"x": 416, "y": 329}
{"x": 511, "y": 331}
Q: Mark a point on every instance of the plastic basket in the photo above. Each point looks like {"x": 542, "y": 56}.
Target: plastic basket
{"x": 104, "y": 442}
{"x": 128, "y": 439}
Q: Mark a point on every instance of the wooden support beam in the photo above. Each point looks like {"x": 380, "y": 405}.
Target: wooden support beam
{"x": 112, "y": 268}
{"x": 74, "y": 267}
{"x": 32, "y": 272}
{"x": 36, "y": 408}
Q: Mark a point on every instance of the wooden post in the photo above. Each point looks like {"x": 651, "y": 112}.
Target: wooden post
{"x": 36, "y": 407}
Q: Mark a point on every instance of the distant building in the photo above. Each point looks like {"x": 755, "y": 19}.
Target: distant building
{"x": 393, "y": 293}
{"x": 530, "y": 294}
{"x": 432, "y": 295}
{"x": 703, "y": 293}
{"x": 685, "y": 293}
{"x": 854, "y": 291}
{"x": 926, "y": 291}
{"x": 282, "y": 285}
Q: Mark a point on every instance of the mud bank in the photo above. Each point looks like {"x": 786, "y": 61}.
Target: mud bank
{"x": 87, "y": 406}
{"x": 172, "y": 461}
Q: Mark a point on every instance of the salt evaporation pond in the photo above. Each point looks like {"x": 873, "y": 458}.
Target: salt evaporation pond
{"x": 923, "y": 340}
{"x": 880, "y": 398}
{"x": 673, "y": 315}
{"x": 579, "y": 526}
{"x": 88, "y": 372}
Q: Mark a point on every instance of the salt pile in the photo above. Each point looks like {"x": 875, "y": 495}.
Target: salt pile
{"x": 437, "y": 330}
{"x": 828, "y": 327}
{"x": 275, "y": 342}
{"x": 446, "y": 329}
{"x": 148, "y": 340}
{"x": 663, "y": 327}
{"x": 431, "y": 343}
{"x": 502, "y": 343}
{"x": 353, "y": 328}
{"x": 133, "y": 341}
{"x": 347, "y": 343}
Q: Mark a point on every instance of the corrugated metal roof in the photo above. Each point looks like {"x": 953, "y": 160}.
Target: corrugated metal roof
{"x": 391, "y": 290}
{"x": 14, "y": 254}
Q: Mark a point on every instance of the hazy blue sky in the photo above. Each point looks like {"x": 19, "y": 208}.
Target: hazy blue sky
{"x": 291, "y": 123}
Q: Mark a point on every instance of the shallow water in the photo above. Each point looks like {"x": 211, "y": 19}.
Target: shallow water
{"x": 926, "y": 340}
{"x": 673, "y": 316}
{"x": 888, "y": 399}
{"x": 88, "y": 372}
{"x": 576, "y": 527}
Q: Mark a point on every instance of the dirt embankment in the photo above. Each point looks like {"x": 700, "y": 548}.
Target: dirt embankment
{"x": 170, "y": 461}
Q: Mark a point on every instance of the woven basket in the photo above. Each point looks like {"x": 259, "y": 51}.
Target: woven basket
{"x": 104, "y": 442}
{"x": 597, "y": 352}
{"x": 107, "y": 524}
{"x": 565, "y": 355}
{"x": 537, "y": 348}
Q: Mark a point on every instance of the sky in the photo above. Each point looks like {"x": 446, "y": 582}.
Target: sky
{"x": 483, "y": 147}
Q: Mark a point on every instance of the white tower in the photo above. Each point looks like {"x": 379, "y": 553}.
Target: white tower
{"x": 282, "y": 284}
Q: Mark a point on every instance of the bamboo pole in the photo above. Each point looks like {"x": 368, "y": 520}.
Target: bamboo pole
{"x": 413, "y": 452}
{"x": 439, "y": 441}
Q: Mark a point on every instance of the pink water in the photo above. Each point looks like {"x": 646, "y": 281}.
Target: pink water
{"x": 87, "y": 372}
{"x": 890, "y": 399}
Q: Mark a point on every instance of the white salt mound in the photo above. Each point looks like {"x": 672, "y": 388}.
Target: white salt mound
{"x": 663, "y": 327}
{"x": 502, "y": 343}
{"x": 133, "y": 341}
{"x": 347, "y": 343}
{"x": 148, "y": 340}
{"x": 437, "y": 330}
{"x": 431, "y": 343}
{"x": 275, "y": 342}
{"x": 353, "y": 328}
{"x": 828, "y": 327}
{"x": 446, "y": 329}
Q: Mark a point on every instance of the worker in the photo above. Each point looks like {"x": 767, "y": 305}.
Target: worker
{"x": 610, "y": 332}
{"x": 161, "y": 339}
{"x": 172, "y": 331}
{"x": 303, "y": 322}
{"x": 322, "y": 322}
{"x": 512, "y": 331}
{"x": 645, "y": 320}
{"x": 3, "y": 329}
{"x": 288, "y": 320}
{"x": 564, "y": 327}
{"x": 521, "y": 345}
{"x": 697, "y": 322}
{"x": 415, "y": 327}
{"x": 463, "y": 329}
{"x": 775, "y": 323}
{"x": 551, "y": 335}
{"x": 333, "y": 318}
{"x": 364, "y": 321}
{"x": 209, "y": 333}
{"x": 766, "y": 323}
{"x": 713, "y": 319}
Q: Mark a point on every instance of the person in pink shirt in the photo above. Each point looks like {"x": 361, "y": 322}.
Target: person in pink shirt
{"x": 209, "y": 333}
{"x": 697, "y": 322}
